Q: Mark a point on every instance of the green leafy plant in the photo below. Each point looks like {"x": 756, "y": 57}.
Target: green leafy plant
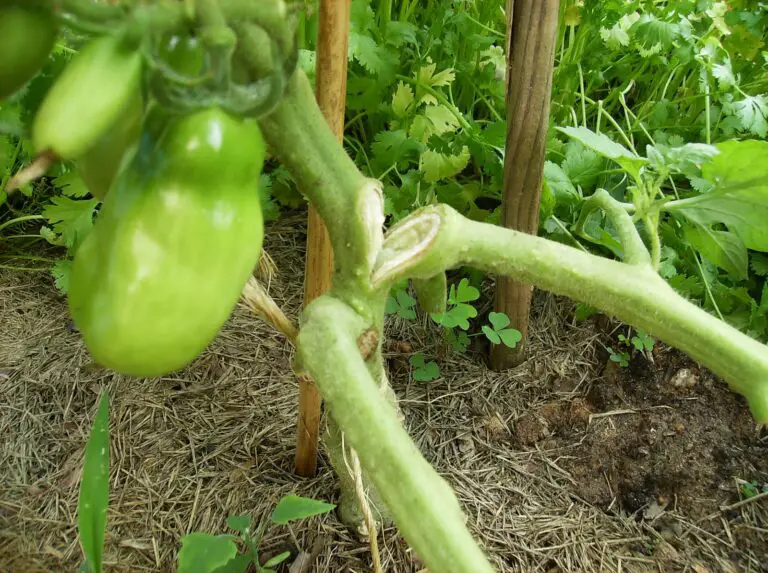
{"x": 620, "y": 357}
{"x": 206, "y": 553}
{"x": 455, "y": 322}
{"x": 459, "y": 311}
{"x": 424, "y": 371}
{"x": 498, "y": 333}
{"x": 200, "y": 552}
{"x": 642, "y": 341}
{"x": 750, "y": 489}
{"x": 402, "y": 304}
{"x": 435, "y": 149}
{"x": 708, "y": 228}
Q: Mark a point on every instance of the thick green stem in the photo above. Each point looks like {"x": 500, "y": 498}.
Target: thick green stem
{"x": 634, "y": 250}
{"x": 432, "y": 293}
{"x": 423, "y": 505}
{"x": 350, "y": 204}
{"x": 436, "y": 238}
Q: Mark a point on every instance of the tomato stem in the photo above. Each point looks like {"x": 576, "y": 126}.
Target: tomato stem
{"x": 39, "y": 167}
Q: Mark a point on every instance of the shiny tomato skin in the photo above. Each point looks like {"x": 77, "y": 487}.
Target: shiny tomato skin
{"x": 177, "y": 238}
{"x": 89, "y": 96}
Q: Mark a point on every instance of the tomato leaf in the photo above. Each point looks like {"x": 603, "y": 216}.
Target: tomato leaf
{"x": 722, "y": 248}
{"x": 204, "y": 553}
{"x": 94, "y": 488}
{"x": 293, "y": 507}
{"x": 739, "y": 198}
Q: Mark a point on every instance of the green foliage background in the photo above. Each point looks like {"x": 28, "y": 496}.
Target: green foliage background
{"x": 426, "y": 115}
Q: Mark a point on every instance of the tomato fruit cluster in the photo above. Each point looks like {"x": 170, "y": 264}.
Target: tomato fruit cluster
{"x": 180, "y": 229}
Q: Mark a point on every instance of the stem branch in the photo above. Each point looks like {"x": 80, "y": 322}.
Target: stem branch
{"x": 438, "y": 238}
{"x": 422, "y": 503}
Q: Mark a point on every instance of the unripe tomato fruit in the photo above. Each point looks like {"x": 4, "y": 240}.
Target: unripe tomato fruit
{"x": 99, "y": 166}
{"x": 27, "y": 36}
{"x": 178, "y": 236}
{"x": 87, "y": 98}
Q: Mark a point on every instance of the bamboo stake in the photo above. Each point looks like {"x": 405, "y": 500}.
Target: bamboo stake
{"x": 330, "y": 91}
{"x": 532, "y": 27}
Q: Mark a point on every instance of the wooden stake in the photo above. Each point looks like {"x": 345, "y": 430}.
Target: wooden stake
{"x": 532, "y": 34}
{"x": 331, "y": 91}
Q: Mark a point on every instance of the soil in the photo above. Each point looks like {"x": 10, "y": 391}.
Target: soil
{"x": 661, "y": 435}
{"x": 566, "y": 463}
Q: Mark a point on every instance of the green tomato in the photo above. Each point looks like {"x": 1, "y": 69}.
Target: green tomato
{"x": 178, "y": 236}
{"x": 27, "y": 36}
{"x": 99, "y": 166}
{"x": 88, "y": 98}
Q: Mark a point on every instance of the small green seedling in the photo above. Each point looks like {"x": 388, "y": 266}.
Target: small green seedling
{"x": 459, "y": 312}
{"x": 621, "y": 358}
{"x": 458, "y": 339}
{"x": 642, "y": 341}
{"x": 206, "y": 553}
{"x": 424, "y": 371}
{"x": 200, "y": 552}
{"x": 752, "y": 489}
{"x": 402, "y": 304}
{"x": 498, "y": 333}
{"x": 583, "y": 312}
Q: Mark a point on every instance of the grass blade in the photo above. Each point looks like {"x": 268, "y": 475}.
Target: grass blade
{"x": 94, "y": 489}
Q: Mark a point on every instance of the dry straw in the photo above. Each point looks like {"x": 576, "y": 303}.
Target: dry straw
{"x": 217, "y": 439}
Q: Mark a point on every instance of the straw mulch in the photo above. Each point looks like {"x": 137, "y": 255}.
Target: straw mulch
{"x": 217, "y": 439}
